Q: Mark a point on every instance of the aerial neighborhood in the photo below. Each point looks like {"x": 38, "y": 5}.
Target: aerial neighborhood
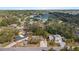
{"x": 48, "y": 30}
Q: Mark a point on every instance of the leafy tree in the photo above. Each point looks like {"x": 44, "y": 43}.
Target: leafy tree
{"x": 3, "y": 23}
{"x": 51, "y": 43}
{"x": 7, "y": 34}
{"x": 35, "y": 41}
{"x": 76, "y": 49}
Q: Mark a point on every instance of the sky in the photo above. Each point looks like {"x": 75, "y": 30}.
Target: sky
{"x": 39, "y": 8}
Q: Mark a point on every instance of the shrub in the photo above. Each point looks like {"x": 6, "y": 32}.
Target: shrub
{"x": 31, "y": 41}
{"x": 76, "y": 49}
{"x": 7, "y": 34}
{"x": 51, "y": 43}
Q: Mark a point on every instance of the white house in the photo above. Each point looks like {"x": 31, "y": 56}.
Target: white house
{"x": 51, "y": 37}
{"x": 57, "y": 38}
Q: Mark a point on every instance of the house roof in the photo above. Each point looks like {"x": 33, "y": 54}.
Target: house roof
{"x": 51, "y": 37}
{"x": 57, "y": 35}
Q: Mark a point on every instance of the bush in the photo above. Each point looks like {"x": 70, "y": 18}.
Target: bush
{"x": 51, "y": 43}
{"x": 35, "y": 41}
{"x": 40, "y": 31}
{"x": 3, "y": 23}
{"x": 7, "y": 34}
{"x": 76, "y": 49}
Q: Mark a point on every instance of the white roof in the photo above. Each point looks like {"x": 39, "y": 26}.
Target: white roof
{"x": 57, "y": 35}
{"x": 51, "y": 37}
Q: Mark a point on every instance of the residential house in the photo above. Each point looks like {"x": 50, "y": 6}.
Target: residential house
{"x": 57, "y": 38}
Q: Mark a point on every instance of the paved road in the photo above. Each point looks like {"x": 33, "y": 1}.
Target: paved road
{"x": 24, "y": 49}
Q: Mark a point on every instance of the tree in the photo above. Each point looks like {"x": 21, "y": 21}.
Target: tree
{"x": 51, "y": 43}
{"x": 3, "y": 23}
{"x": 35, "y": 41}
{"x": 7, "y": 34}
{"x": 76, "y": 49}
{"x": 9, "y": 21}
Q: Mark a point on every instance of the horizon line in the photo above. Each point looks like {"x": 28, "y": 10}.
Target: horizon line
{"x": 39, "y": 8}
